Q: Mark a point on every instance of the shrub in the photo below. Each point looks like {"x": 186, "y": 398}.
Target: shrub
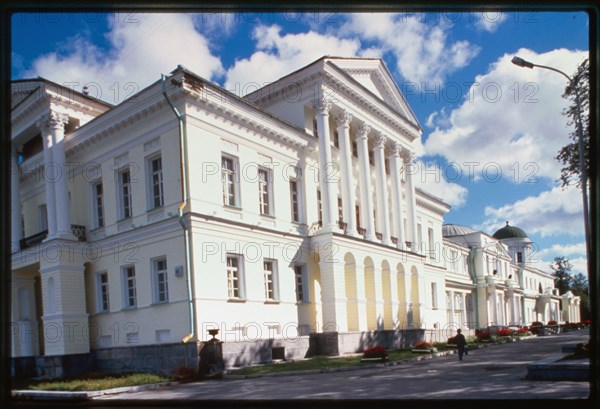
{"x": 451, "y": 340}
{"x": 552, "y": 322}
{"x": 537, "y": 324}
{"x": 375, "y": 352}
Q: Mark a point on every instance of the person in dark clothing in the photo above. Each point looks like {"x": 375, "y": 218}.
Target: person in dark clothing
{"x": 461, "y": 343}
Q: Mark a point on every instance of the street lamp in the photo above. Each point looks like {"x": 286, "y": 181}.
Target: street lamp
{"x": 586, "y": 221}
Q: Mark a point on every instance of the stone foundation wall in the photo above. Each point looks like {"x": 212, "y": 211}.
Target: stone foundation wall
{"x": 264, "y": 351}
{"x": 164, "y": 359}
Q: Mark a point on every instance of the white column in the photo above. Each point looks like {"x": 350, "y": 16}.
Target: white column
{"x": 379, "y": 302}
{"x": 410, "y": 197}
{"x": 63, "y": 211}
{"x": 397, "y": 195}
{"x": 15, "y": 202}
{"x": 463, "y": 313}
{"x": 366, "y": 197}
{"x": 43, "y": 125}
{"x": 452, "y": 307}
{"x": 349, "y": 201}
{"x": 327, "y": 176}
{"x": 383, "y": 214}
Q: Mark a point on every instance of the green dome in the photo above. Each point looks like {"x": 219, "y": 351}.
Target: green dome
{"x": 510, "y": 232}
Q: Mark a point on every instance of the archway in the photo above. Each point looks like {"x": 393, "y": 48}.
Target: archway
{"x": 351, "y": 292}
{"x": 370, "y": 294}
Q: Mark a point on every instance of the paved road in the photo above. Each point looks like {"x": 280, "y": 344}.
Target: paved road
{"x": 495, "y": 372}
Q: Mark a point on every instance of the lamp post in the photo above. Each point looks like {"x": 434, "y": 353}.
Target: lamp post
{"x": 586, "y": 221}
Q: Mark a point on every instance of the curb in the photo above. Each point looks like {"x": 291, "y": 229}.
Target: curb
{"x": 86, "y": 395}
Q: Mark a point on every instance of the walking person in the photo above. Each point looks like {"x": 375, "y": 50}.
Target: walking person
{"x": 461, "y": 343}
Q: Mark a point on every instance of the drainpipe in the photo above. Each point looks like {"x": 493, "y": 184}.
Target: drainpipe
{"x": 184, "y": 203}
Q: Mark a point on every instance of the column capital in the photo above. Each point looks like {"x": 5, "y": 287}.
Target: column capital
{"x": 343, "y": 119}
{"x": 380, "y": 139}
{"x": 53, "y": 120}
{"x": 322, "y": 105}
{"x": 395, "y": 148}
{"x": 407, "y": 156}
{"x": 363, "y": 130}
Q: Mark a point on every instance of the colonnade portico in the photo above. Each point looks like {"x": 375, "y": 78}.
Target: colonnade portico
{"x": 329, "y": 179}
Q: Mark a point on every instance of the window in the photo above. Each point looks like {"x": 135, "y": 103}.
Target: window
{"x": 519, "y": 257}
{"x": 270, "y": 275}
{"x": 355, "y": 149}
{"x": 102, "y": 292}
{"x": 43, "y": 215}
{"x": 320, "y": 205}
{"x": 235, "y": 284}
{"x": 357, "y": 210}
{"x": 98, "y": 204}
{"x": 315, "y": 129}
{"x": 264, "y": 191}
{"x": 229, "y": 180}
{"x": 431, "y": 244}
{"x": 336, "y": 139}
{"x": 125, "y": 194}
{"x": 130, "y": 293}
{"x": 161, "y": 281}
{"x": 295, "y": 200}
{"x": 156, "y": 182}
{"x": 340, "y": 209}
{"x": 301, "y": 288}
{"x": 372, "y": 158}
{"x": 434, "y": 296}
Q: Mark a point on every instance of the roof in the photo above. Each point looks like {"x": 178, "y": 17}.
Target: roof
{"x": 449, "y": 230}
{"x": 510, "y": 232}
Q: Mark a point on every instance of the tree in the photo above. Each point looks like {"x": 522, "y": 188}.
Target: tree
{"x": 580, "y": 287}
{"x": 568, "y": 156}
{"x": 562, "y": 274}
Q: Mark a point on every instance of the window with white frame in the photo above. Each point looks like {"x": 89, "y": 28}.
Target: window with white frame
{"x": 229, "y": 180}
{"x": 125, "y": 209}
{"x": 235, "y": 276}
{"x": 102, "y": 292}
{"x": 301, "y": 287}
{"x": 129, "y": 287}
{"x": 43, "y": 217}
{"x": 431, "y": 249}
{"x": 295, "y": 200}
{"x": 98, "y": 194}
{"x": 161, "y": 280}
{"x": 155, "y": 179}
{"x": 265, "y": 187}
{"x": 270, "y": 277}
{"x": 319, "y": 205}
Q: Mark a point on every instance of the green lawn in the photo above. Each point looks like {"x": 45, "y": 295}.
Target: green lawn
{"x": 94, "y": 384}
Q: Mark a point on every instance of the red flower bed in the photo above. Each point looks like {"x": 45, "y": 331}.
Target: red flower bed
{"x": 482, "y": 335}
{"x": 375, "y": 352}
{"x": 523, "y": 330}
{"x": 504, "y": 332}
{"x": 552, "y": 322}
{"x": 423, "y": 345}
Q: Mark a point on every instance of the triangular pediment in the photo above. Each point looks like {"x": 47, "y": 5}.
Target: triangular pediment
{"x": 373, "y": 75}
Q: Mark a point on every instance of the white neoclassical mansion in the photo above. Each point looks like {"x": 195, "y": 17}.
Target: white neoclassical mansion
{"x": 288, "y": 219}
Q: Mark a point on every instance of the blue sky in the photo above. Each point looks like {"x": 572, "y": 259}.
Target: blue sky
{"x": 490, "y": 128}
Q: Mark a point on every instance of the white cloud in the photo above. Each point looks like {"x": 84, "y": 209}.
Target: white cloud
{"x": 140, "y": 50}
{"x": 278, "y": 55}
{"x": 510, "y": 115}
{"x": 489, "y": 21}
{"x": 422, "y": 50}
{"x": 429, "y": 177}
{"x": 553, "y": 212}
